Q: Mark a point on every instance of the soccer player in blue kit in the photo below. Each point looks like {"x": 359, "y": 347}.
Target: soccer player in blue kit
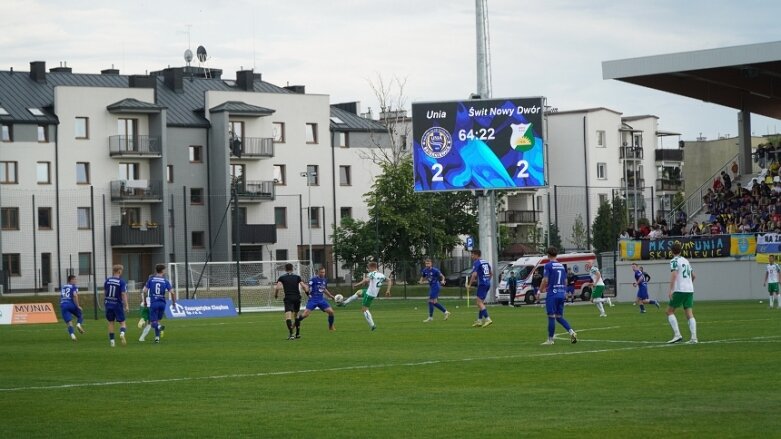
{"x": 481, "y": 272}
{"x": 156, "y": 287}
{"x": 554, "y": 280}
{"x": 434, "y": 278}
{"x": 318, "y": 289}
{"x": 115, "y": 300}
{"x": 642, "y": 289}
{"x": 69, "y": 306}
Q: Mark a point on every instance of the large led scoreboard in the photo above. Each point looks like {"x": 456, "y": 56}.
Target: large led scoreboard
{"x": 478, "y": 144}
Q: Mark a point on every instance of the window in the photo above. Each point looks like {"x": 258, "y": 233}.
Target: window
{"x": 127, "y": 130}
{"x": 314, "y": 217}
{"x": 602, "y": 199}
{"x": 196, "y": 238}
{"x": 43, "y": 134}
{"x": 81, "y": 129}
{"x": 169, "y": 173}
{"x": 313, "y": 176}
{"x": 9, "y": 218}
{"x": 84, "y": 218}
{"x": 601, "y": 138}
{"x": 311, "y": 133}
{"x": 195, "y": 154}
{"x": 85, "y": 263}
{"x": 279, "y": 174}
{"x": 345, "y": 212}
{"x": 236, "y": 129}
{"x": 8, "y": 172}
{"x": 196, "y": 195}
{"x": 6, "y": 134}
{"x": 344, "y": 139}
{"x": 601, "y": 171}
{"x": 280, "y": 217}
{"x": 279, "y": 132}
{"x": 43, "y": 172}
{"x": 637, "y": 140}
{"x": 82, "y": 173}
{"x": 44, "y": 218}
{"x": 35, "y": 111}
{"x": 281, "y": 254}
{"x": 131, "y": 216}
{"x": 344, "y": 176}
{"x": 237, "y": 176}
{"x": 11, "y": 264}
{"x": 129, "y": 171}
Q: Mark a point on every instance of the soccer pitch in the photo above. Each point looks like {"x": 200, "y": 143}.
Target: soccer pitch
{"x": 240, "y": 377}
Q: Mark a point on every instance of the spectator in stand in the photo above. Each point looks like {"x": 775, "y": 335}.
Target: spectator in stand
{"x": 745, "y": 227}
{"x": 645, "y": 230}
{"x": 625, "y": 234}
{"x": 695, "y": 229}
{"x": 715, "y": 228}
{"x": 705, "y": 228}
{"x": 727, "y": 180}
{"x": 773, "y": 168}
{"x": 677, "y": 229}
{"x": 771, "y": 152}
{"x": 731, "y": 227}
{"x": 761, "y": 155}
{"x": 717, "y": 185}
{"x": 735, "y": 170}
{"x": 656, "y": 233}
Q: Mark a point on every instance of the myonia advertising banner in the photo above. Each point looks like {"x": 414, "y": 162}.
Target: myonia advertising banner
{"x": 478, "y": 144}
{"x": 692, "y": 247}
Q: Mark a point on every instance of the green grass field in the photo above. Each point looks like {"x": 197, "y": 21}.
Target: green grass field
{"x": 240, "y": 377}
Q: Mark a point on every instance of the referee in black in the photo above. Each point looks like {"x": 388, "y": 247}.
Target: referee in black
{"x": 289, "y": 283}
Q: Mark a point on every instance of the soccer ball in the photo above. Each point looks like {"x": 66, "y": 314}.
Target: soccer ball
{"x": 141, "y": 323}
{"x": 338, "y": 298}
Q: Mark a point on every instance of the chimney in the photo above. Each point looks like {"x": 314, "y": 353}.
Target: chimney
{"x": 296, "y": 88}
{"x": 351, "y": 107}
{"x": 111, "y": 71}
{"x": 173, "y": 78}
{"x": 245, "y": 80}
{"x": 38, "y": 71}
{"x": 61, "y": 69}
{"x": 141, "y": 81}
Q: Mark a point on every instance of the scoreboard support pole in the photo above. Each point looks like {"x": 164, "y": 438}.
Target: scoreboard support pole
{"x": 486, "y": 218}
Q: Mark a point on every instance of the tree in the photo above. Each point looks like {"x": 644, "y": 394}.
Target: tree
{"x": 393, "y": 114}
{"x": 354, "y": 241}
{"x": 610, "y": 221}
{"x": 578, "y": 234}
{"x": 554, "y": 239}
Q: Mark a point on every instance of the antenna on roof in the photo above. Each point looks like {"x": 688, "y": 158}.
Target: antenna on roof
{"x": 202, "y": 57}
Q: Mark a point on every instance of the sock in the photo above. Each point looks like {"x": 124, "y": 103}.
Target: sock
{"x": 80, "y": 320}
{"x": 156, "y": 327}
{"x": 642, "y": 307}
{"x": 674, "y": 324}
{"x": 599, "y": 300}
{"x": 70, "y": 329}
{"x": 330, "y": 320}
{"x": 430, "y": 310}
{"x": 778, "y": 301}
{"x": 693, "y": 328}
{"x": 368, "y": 316}
{"x": 653, "y": 302}
{"x": 600, "y": 307}
{"x": 770, "y": 301}
{"x": 146, "y": 330}
{"x": 350, "y": 299}
{"x": 289, "y": 324}
{"x": 564, "y": 323}
{"x": 479, "y": 315}
{"x": 440, "y": 307}
{"x": 484, "y": 312}
{"x": 551, "y": 327}
{"x": 111, "y": 336}
{"x": 121, "y": 332}
{"x": 298, "y": 325}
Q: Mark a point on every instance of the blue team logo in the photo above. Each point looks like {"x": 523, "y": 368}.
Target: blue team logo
{"x": 436, "y": 142}
{"x": 743, "y": 245}
{"x": 575, "y": 269}
{"x": 630, "y": 250}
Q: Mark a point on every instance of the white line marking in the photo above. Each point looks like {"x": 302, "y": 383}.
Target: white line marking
{"x": 366, "y": 367}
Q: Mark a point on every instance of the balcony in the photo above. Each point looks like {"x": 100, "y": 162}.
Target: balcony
{"x": 631, "y": 153}
{"x": 136, "y": 236}
{"x": 257, "y": 234}
{"x": 518, "y": 217}
{"x": 668, "y": 185}
{"x": 668, "y": 155}
{"x": 633, "y": 183}
{"x": 254, "y": 148}
{"x": 137, "y": 191}
{"x": 255, "y": 191}
{"x": 134, "y": 146}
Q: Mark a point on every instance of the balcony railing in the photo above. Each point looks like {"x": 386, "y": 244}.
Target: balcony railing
{"x": 256, "y": 191}
{"x": 664, "y": 184}
{"x": 136, "y": 236}
{"x": 633, "y": 183}
{"x": 137, "y": 190}
{"x": 631, "y": 153}
{"x": 518, "y": 216}
{"x": 257, "y": 234}
{"x": 257, "y": 147}
{"x": 120, "y": 146}
{"x": 668, "y": 155}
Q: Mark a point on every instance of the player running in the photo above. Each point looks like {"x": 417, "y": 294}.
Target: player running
{"x": 434, "y": 278}
{"x": 599, "y": 290}
{"x": 373, "y": 282}
{"x": 554, "y": 280}
{"x": 69, "y": 306}
{"x": 318, "y": 287}
{"x": 641, "y": 283}
{"x": 681, "y": 294}
{"x": 771, "y": 280}
{"x": 115, "y": 301}
{"x": 156, "y": 288}
{"x": 481, "y": 272}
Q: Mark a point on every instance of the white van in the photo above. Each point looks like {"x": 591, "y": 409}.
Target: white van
{"x": 525, "y": 267}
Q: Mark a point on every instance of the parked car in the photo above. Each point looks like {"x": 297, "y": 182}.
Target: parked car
{"x": 458, "y": 278}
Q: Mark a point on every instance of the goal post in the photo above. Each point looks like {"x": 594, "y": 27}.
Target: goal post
{"x": 209, "y": 280}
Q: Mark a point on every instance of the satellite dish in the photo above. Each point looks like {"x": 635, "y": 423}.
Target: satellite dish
{"x": 201, "y": 51}
{"x": 188, "y": 56}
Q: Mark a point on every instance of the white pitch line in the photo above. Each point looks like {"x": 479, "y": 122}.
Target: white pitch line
{"x": 363, "y": 367}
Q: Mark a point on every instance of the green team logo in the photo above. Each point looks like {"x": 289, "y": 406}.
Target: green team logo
{"x": 522, "y": 137}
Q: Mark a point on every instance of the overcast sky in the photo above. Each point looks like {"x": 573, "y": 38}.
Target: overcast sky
{"x": 551, "y": 48}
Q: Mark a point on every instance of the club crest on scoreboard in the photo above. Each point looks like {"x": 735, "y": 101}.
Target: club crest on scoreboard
{"x": 436, "y": 142}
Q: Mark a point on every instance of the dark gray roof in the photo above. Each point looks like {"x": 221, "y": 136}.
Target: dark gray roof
{"x": 131, "y": 105}
{"x": 242, "y": 109}
{"x": 353, "y": 122}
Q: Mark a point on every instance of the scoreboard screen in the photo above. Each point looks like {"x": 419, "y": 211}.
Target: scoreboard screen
{"x": 478, "y": 144}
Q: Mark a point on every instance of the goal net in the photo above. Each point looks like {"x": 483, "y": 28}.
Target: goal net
{"x": 199, "y": 280}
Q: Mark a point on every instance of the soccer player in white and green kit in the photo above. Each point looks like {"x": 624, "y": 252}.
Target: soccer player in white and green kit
{"x": 681, "y": 294}
{"x": 599, "y": 290}
{"x": 373, "y": 281}
{"x": 771, "y": 280}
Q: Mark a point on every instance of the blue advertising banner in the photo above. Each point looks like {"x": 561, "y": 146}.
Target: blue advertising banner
{"x": 478, "y": 144}
{"x": 200, "y": 308}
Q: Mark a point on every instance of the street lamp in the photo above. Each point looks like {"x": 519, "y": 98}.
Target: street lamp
{"x": 309, "y": 175}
